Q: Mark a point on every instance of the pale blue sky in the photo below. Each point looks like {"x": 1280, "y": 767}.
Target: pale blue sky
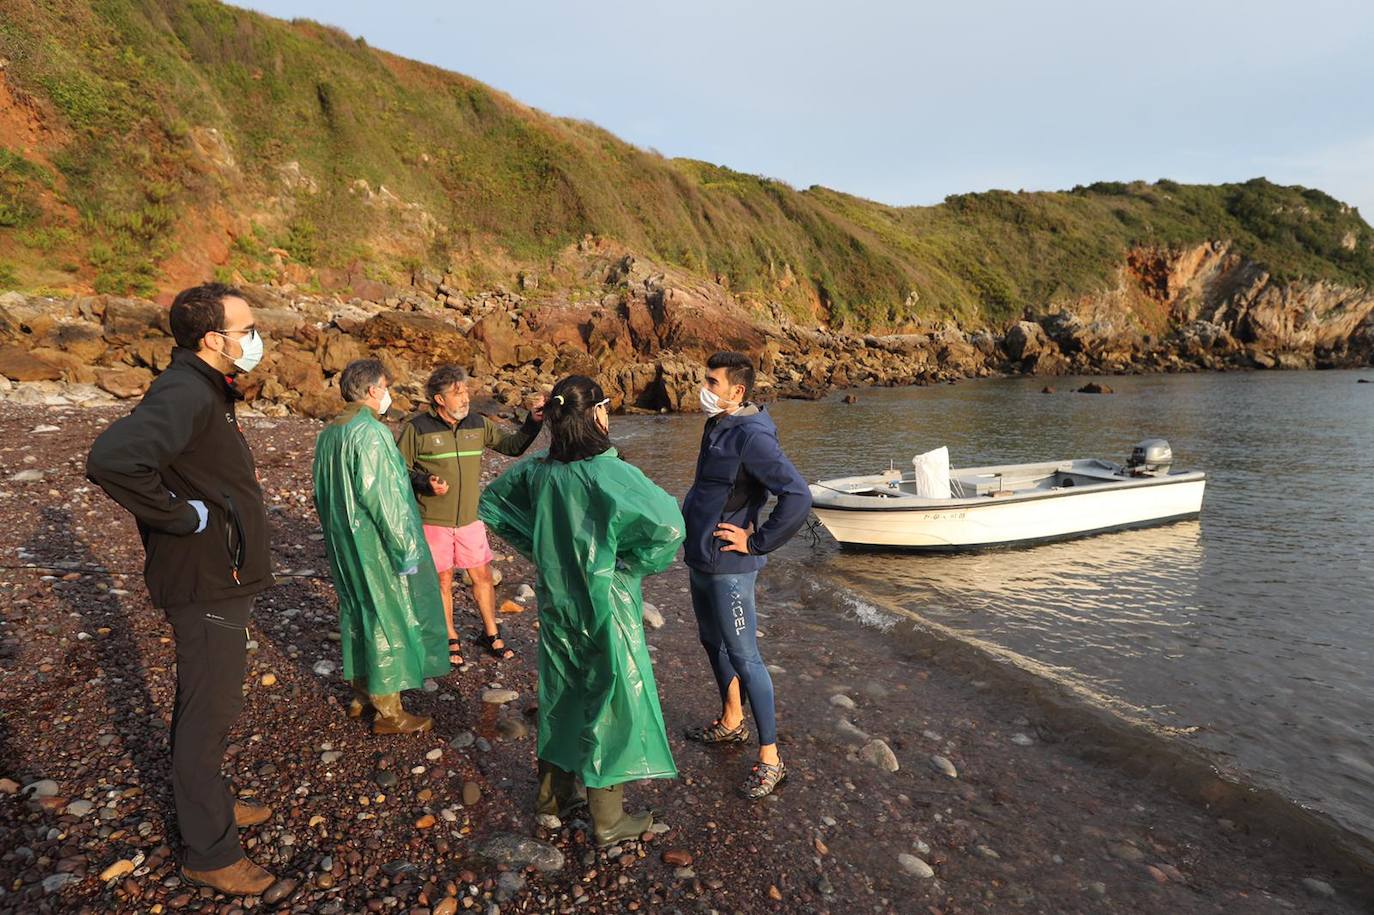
{"x": 906, "y": 102}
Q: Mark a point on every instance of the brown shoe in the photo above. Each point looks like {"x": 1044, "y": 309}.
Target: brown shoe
{"x": 402, "y": 723}
{"x": 246, "y": 814}
{"x": 242, "y": 878}
{"x": 392, "y": 719}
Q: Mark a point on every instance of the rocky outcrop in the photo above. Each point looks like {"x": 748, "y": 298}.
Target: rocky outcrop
{"x": 18, "y": 364}
{"x": 647, "y": 335}
{"x": 1271, "y": 322}
{"x": 647, "y": 344}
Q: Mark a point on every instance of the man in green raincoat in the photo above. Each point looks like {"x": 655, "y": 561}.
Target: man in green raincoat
{"x": 391, "y": 617}
{"x": 594, "y": 526}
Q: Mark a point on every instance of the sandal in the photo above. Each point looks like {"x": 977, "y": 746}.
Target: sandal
{"x": 716, "y": 732}
{"x": 455, "y": 654}
{"x": 763, "y": 779}
{"x": 488, "y": 642}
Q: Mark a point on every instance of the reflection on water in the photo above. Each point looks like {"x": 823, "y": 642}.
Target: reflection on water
{"x": 1118, "y": 595}
{"x": 1105, "y": 576}
{"x": 1254, "y": 625}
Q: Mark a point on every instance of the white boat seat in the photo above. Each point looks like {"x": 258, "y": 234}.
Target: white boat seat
{"x": 981, "y": 485}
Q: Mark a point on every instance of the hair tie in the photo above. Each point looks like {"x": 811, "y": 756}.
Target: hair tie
{"x": 559, "y": 398}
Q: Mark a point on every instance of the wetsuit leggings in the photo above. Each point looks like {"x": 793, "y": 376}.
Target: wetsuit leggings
{"x": 727, "y": 626}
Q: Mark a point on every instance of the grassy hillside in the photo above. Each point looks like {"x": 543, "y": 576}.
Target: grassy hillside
{"x": 126, "y": 177}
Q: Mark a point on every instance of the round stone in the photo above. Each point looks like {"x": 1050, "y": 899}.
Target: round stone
{"x": 915, "y": 867}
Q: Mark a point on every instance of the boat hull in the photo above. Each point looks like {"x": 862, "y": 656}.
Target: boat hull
{"x": 995, "y": 523}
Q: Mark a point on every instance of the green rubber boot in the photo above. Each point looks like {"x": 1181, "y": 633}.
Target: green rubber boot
{"x": 610, "y": 822}
{"x": 545, "y": 802}
{"x": 558, "y": 795}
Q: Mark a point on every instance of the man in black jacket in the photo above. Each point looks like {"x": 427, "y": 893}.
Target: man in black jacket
{"x": 181, "y": 466}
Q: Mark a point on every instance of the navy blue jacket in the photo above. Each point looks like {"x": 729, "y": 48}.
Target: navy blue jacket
{"x": 740, "y": 463}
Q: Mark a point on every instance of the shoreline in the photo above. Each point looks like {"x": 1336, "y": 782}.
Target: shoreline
{"x": 1106, "y": 731}
{"x": 63, "y": 395}
{"x": 1032, "y": 822}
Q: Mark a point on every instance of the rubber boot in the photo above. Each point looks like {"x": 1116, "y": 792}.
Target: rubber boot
{"x": 558, "y": 794}
{"x": 392, "y": 719}
{"x": 610, "y": 822}
{"x": 546, "y": 801}
{"x": 572, "y": 797}
{"x": 361, "y": 700}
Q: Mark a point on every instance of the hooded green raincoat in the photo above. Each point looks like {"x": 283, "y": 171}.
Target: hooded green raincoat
{"x": 392, "y": 625}
{"x": 593, "y": 529}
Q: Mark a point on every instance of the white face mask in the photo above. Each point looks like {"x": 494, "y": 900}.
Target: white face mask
{"x": 710, "y": 403}
{"x": 252, "y": 352}
{"x": 385, "y": 403}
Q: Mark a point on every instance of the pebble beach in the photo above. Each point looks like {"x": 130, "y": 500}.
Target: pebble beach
{"x": 912, "y": 787}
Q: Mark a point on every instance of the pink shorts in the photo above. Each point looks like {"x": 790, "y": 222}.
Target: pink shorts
{"x": 463, "y": 547}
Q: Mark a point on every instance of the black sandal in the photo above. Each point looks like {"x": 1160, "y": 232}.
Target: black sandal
{"x": 454, "y": 651}
{"x": 488, "y": 642}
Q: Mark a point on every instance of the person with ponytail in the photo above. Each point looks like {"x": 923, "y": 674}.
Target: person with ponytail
{"x": 594, "y": 526}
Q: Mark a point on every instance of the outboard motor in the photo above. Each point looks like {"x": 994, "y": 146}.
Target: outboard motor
{"x": 1152, "y": 456}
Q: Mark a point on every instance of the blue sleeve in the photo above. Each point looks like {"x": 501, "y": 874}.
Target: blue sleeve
{"x": 764, "y": 461}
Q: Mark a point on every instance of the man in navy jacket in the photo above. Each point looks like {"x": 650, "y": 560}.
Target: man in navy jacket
{"x": 740, "y": 465}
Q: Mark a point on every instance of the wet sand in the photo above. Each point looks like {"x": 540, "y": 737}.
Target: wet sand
{"x": 363, "y": 823}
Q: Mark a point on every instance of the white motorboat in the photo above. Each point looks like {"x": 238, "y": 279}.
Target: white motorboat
{"x": 1008, "y": 505}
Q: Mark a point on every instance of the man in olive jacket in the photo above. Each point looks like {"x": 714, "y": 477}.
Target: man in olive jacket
{"x": 180, "y": 465}
{"x": 442, "y": 448}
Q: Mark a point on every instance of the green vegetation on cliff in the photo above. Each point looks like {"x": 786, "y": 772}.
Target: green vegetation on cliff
{"x": 160, "y": 117}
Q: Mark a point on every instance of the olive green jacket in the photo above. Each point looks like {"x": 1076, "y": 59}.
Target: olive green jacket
{"x": 453, "y": 453}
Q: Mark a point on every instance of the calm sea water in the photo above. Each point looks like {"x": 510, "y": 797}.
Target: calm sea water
{"x": 1251, "y": 631}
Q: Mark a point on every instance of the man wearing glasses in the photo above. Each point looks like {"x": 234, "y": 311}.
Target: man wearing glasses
{"x": 180, "y": 465}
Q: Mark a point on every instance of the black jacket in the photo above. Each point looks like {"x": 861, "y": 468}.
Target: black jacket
{"x": 183, "y": 442}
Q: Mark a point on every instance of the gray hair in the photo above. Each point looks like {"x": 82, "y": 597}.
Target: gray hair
{"x": 358, "y": 376}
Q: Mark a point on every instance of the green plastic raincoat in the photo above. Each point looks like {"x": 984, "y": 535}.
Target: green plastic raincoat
{"x": 392, "y": 625}
{"x": 593, "y": 529}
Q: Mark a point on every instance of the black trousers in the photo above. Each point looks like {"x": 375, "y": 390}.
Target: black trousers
{"x": 212, "y": 652}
